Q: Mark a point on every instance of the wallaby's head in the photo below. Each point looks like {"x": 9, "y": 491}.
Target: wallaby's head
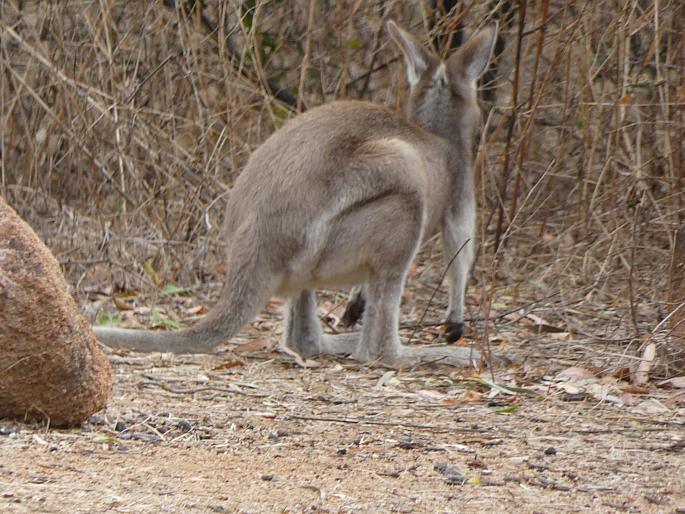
{"x": 442, "y": 97}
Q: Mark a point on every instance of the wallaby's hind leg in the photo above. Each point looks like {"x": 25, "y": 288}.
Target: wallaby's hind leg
{"x": 303, "y": 332}
{"x": 380, "y": 340}
{"x": 458, "y": 242}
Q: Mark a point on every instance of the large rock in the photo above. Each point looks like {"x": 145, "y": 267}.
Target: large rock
{"x": 51, "y": 367}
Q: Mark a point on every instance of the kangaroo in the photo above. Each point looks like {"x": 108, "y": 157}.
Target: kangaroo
{"x": 343, "y": 195}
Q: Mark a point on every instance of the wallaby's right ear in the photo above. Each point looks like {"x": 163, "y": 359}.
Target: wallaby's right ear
{"x": 416, "y": 57}
{"x": 472, "y": 58}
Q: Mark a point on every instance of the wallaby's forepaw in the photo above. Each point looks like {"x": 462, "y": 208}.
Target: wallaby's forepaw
{"x": 453, "y": 331}
{"x": 353, "y": 311}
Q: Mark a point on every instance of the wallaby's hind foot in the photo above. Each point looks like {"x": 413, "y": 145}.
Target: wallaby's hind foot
{"x": 340, "y": 344}
{"x": 459, "y": 356}
{"x": 453, "y": 331}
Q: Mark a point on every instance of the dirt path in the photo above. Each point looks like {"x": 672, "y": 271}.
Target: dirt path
{"x": 228, "y": 434}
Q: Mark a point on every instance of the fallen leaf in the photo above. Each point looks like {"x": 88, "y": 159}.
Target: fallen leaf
{"x": 128, "y": 293}
{"x": 257, "y": 345}
{"x": 505, "y": 389}
{"x": 540, "y": 324}
{"x": 628, "y": 399}
{"x": 174, "y": 290}
{"x": 198, "y": 310}
{"x": 122, "y": 305}
{"x": 621, "y": 373}
{"x": 570, "y": 388}
{"x": 576, "y": 374}
{"x": 387, "y": 379}
{"x": 265, "y": 414}
{"x": 451, "y": 473}
{"x": 305, "y": 363}
{"x": 604, "y": 392}
{"x": 641, "y": 376}
{"x": 431, "y": 395}
{"x": 650, "y": 407}
{"x": 38, "y": 439}
{"x": 676, "y": 399}
{"x": 233, "y": 362}
{"x": 632, "y": 389}
{"x": 559, "y": 336}
{"x": 471, "y": 396}
{"x": 104, "y": 439}
{"x": 675, "y": 382}
{"x": 511, "y": 409}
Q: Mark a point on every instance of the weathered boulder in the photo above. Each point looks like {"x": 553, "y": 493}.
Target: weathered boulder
{"x": 51, "y": 367}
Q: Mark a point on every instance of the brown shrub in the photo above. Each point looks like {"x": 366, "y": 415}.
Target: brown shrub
{"x": 50, "y": 364}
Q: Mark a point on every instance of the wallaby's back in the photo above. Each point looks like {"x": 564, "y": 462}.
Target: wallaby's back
{"x": 321, "y": 159}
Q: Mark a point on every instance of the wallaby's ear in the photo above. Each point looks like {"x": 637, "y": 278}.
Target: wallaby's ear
{"x": 471, "y": 59}
{"x": 416, "y": 57}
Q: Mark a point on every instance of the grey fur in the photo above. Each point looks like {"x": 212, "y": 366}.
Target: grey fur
{"x": 344, "y": 195}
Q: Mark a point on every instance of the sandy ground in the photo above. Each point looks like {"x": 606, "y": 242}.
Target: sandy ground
{"x": 255, "y": 432}
{"x": 247, "y": 429}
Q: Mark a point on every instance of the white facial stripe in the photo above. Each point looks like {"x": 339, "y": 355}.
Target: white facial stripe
{"x": 440, "y": 74}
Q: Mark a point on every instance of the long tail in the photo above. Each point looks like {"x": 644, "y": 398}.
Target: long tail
{"x": 246, "y": 290}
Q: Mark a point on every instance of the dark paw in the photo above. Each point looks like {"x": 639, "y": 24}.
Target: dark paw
{"x": 453, "y": 331}
{"x": 353, "y": 311}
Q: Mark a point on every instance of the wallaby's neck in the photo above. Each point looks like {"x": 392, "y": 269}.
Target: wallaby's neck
{"x": 459, "y": 156}
{"x": 460, "y": 145}
{"x": 460, "y": 164}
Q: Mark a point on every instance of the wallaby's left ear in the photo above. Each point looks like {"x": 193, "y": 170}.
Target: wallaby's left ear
{"x": 417, "y": 58}
{"x": 471, "y": 59}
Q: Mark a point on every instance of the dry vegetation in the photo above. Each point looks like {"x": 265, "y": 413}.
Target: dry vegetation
{"x": 125, "y": 123}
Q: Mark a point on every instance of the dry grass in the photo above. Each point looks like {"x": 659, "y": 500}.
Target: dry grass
{"x": 125, "y": 123}
{"x": 123, "y": 127}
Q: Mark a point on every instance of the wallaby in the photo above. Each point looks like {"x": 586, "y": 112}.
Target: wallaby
{"x": 345, "y": 194}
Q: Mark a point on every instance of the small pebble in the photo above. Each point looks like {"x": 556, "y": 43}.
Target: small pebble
{"x": 184, "y": 425}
